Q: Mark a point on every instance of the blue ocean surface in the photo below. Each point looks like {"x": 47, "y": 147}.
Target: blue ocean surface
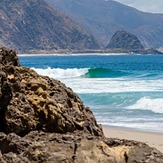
{"x": 121, "y": 90}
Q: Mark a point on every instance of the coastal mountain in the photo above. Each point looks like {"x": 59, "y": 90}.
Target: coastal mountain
{"x": 102, "y": 18}
{"x": 125, "y": 42}
{"x": 29, "y": 25}
{"x": 41, "y": 26}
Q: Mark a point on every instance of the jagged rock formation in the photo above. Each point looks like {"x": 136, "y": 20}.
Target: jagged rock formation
{"x": 125, "y": 41}
{"x": 41, "y": 103}
{"x": 41, "y": 120}
{"x": 61, "y": 148}
{"x": 33, "y": 25}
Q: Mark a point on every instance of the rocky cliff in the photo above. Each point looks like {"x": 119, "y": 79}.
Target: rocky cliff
{"x": 41, "y": 120}
{"x": 125, "y": 41}
{"x": 33, "y": 25}
{"x": 41, "y": 103}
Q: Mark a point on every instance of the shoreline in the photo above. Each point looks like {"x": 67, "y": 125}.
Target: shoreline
{"x": 75, "y": 54}
{"x": 153, "y": 139}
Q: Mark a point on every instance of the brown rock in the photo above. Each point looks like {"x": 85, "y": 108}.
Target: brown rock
{"x": 53, "y": 147}
{"x": 34, "y": 102}
{"x": 8, "y": 57}
{"x": 5, "y": 97}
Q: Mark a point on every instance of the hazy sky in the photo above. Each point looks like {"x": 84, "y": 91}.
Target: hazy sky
{"x": 154, "y": 6}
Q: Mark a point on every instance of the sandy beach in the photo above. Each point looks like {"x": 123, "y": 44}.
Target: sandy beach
{"x": 153, "y": 139}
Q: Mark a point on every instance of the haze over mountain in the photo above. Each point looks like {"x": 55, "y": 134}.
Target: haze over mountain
{"x": 34, "y": 25}
{"x": 102, "y": 18}
{"x": 152, "y": 6}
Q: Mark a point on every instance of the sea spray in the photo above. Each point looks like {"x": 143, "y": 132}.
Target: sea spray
{"x": 59, "y": 73}
{"x": 146, "y": 103}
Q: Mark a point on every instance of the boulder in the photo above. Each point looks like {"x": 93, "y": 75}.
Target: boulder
{"x": 61, "y": 148}
{"x": 33, "y": 102}
{"x": 8, "y": 57}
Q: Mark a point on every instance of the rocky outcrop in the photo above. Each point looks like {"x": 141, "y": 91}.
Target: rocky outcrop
{"x": 57, "y": 148}
{"x": 8, "y": 58}
{"x": 41, "y": 120}
{"x": 35, "y": 26}
{"x": 40, "y": 103}
{"x": 125, "y": 41}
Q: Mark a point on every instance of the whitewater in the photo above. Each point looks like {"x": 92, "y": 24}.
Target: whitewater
{"x": 122, "y": 91}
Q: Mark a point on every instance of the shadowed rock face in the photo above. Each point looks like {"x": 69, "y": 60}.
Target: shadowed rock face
{"x": 41, "y": 120}
{"x": 8, "y": 57}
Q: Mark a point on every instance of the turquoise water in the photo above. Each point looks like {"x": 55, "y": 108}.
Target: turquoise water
{"x": 122, "y": 91}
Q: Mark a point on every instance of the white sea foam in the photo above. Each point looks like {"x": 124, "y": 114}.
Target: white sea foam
{"x": 74, "y": 54}
{"x": 146, "y": 103}
{"x": 88, "y": 85}
{"x": 149, "y": 124}
{"x": 157, "y": 127}
{"x": 59, "y": 73}
{"x": 73, "y": 79}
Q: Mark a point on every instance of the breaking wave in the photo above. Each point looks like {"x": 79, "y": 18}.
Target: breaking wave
{"x": 82, "y": 72}
{"x": 155, "y": 105}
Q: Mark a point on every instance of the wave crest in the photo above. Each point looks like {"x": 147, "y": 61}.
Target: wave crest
{"x": 146, "y": 103}
{"x": 81, "y": 72}
{"x": 104, "y": 73}
{"x": 62, "y": 73}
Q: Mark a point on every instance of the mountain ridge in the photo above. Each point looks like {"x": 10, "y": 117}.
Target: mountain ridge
{"x": 35, "y": 25}
{"x": 66, "y": 26}
{"x": 103, "y": 18}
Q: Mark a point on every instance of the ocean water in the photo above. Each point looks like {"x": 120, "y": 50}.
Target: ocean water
{"x": 122, "y": 91}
